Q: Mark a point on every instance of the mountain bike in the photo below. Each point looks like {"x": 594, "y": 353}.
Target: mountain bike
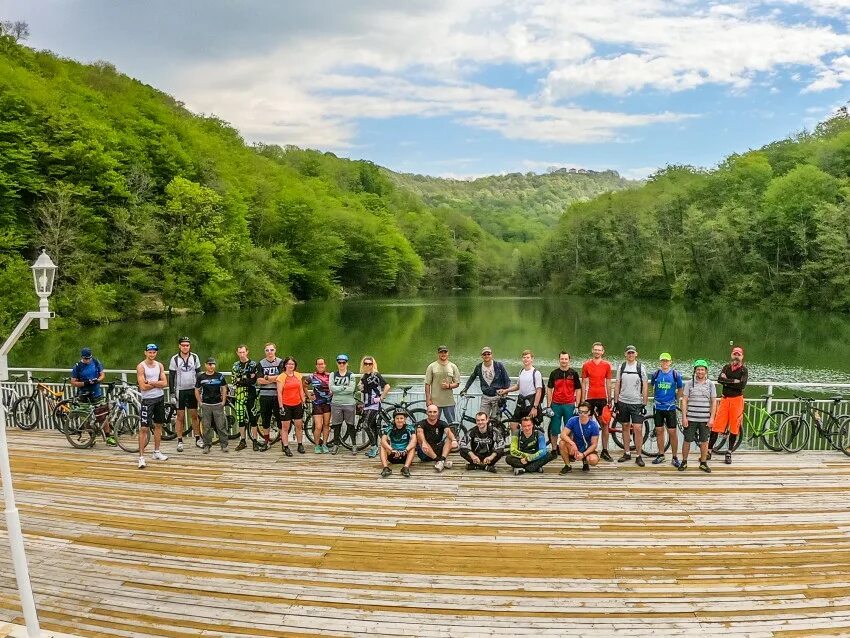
{"x": 794, "y": 431}
{"x": 615, "y": 429}
{"x": 357, "y": 437}
{"x": 762, "y": 425}
{"x": 8, "y": 396}
{"x": 81, "y": 426}
{"x": 26, "y": 412}
{"x": 460, "y": 426}
{"x": 650, "y": 438}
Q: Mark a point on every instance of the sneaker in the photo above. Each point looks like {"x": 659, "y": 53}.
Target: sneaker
{"x": 159, "y": 456}
{"x": 317, "y": 449}
{"x": 566, "y": 469}
{"x": 448, "y": 464}
{"x": 405, "y": 472}
{"x": 471, "y": 466}
{"x": 206, "y": 449}
{"x": 325, "y": 449}
{"x": 439, "y": 465}
{"x": 624, "y": 458}
{"x": 540, "y": 470}
{"x": 491, "y": 468}
{"x": 179, "y": 446}
{"x": 518, "y": 471}
{"x": 372, "y": 452}
{"x": 242, "y": 445}
{"x": 585, "y": 466}
{"x": 639, "y": 461}
{"x": 386, "y": 472}
{"x": 658, "y": 460}
{"x": 287, "y": 451}
{"x": 728, "y": 459}
{"x": 354, "y": 451}
{"x": 675, "y": 461}
{"x": 301, "y": 448}
{"x": 334, "y": 449}
{"x": 110, "y": 440}
{"x": 605, "y": 456}
{"x": 683, "y": 466}
{"x": 704, "y": 467}
{"x": 199, "y": 442}
{"x": 141, "y": 462}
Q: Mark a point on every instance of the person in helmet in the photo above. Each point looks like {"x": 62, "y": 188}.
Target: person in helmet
{"x": 398, "y": 444}
{"x": 698, "y": 408}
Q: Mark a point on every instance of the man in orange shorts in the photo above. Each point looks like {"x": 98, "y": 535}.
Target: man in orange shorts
{"x": 730, "y": 407}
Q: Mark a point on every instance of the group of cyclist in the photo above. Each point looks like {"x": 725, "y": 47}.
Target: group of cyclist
{"x": 582, "y": 406}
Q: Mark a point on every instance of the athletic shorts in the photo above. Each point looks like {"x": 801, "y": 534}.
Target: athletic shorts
{"x": 731, "y": 411}
{"x": 437, "y": 447}
{"x": 340, "y": 413}
{"x": 596, "y": 406}
{"x": 292, "y": 412}
{"x": 665, "y": 418}
{"x": 629, "y": 413}
{"x": 152, "y": 411}
{"x": 321, "y": 408}
{"x": 696, "y": 431}
{"x": 561, "y": 414}
{"x": 397, "y": 460}
{"x": 186, "y": 399}
{"x": 523, "y": 408}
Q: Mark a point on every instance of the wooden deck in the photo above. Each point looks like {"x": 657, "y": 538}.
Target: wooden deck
{"x": 258, "y": 545}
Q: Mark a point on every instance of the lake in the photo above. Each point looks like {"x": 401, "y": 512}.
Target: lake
{"x": 403, "y": 334}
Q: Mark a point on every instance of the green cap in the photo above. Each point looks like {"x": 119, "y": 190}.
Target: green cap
{"x": 665, "y": 356}
{"x": 700, "y": 363}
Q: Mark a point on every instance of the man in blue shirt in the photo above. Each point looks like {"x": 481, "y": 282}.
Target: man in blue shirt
{"x": 666, "y": 386}
{"x": 87, "y": 375}
{"x": 579, "y": 439}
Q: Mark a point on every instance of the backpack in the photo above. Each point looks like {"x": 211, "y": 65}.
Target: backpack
{"x": 638, "y": 372}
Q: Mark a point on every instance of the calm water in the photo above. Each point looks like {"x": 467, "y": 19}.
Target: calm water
{"x": 403, "y": 334}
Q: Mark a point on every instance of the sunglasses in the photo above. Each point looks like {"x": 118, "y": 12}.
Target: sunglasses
{"x": 585, "y": 412}
{"x": 269, "y": 349}
{"x": 368, "y": 363}
{"x": 341, "y": 361}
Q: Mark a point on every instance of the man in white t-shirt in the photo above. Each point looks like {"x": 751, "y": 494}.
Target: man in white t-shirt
{"x": 529, "y": 386}
{"x": 631, "y": 393}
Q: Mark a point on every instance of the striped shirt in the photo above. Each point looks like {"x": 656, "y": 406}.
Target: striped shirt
{"x": 700, "y": 396}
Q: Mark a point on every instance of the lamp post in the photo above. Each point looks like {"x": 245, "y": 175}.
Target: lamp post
{"x": 44, "y": 272}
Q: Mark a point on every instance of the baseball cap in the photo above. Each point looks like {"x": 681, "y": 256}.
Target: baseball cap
{"x": 211, "y": 360}
{"x": 85, "y": 353}
{"x": 151, "y": 346}
{"x": 486, "y": 350}
{"x": 342, "y": 357}
{"x": 665, "y": 356}
{"x": 442, "y": 348}
{"x": 631, "y": 349}
{"x": 738, "y": 350}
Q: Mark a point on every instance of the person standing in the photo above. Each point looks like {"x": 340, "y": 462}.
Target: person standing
{"x": 373, "y": 389}
{"x": 398, "y": 445}
{"x": 482, "y": 446}
{"x": 87, "y": 375}
{"x": 245, "y": 372}
{"x": 563, "y": 392}
{"x": 343, "y": 402}
{"x": 730, "y": 410}
{"x": 529, "y": 385}
{"x": 291, "y": 395}
{"x": 270, "y": 368}
{"x": 630, "y": 393}
{"x": 529, "y": 450}
{"x": 183, "y": 370}
{"x": 211, "y": 394}
{"x": 596, "y": 376}
{"x": 666, "y": 391}
{"x": 492, "y": 376}
{"x": 319, "y": 392}
{"x": 441, "y": 377}
{"x": 699, "y": 403}
{"x": 579, "y": 439}
{"x": 435, "y": 439}
{"x": 150, "y": 377}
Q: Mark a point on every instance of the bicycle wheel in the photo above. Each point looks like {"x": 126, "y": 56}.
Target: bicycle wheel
{"x": 230, "y": 420}
{"x": 355, "y": 437}
{"x": 616, "y": 432}
{"x": 80, "y": 429}
{"x": 25, "y": 413}
{"x": 770, "y": 431}
{"x": 720, "y": 443}
{"x": 843, "y": 439}
{"x": 308, "y": 422}
{"x": 650, "y": 438}
{"x": 60, "y": 414}
{"x": 127, "y": 432}
{"x": 169, "y": 427}
{"x": 793, "y": 433}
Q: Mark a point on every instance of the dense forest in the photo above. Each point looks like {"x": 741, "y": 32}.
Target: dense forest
{"x": 148, "y": 208}
{"x": 770, "y": 225}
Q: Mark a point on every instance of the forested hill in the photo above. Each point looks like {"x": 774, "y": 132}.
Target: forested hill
{"x": 770, "y": 225}
{"x": 517, "y": 207}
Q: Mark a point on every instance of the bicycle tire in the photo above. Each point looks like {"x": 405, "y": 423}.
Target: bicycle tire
{"x": 308, "y": 423}
{"x": 169, "y": 426}
{"x": 26, "y": 413}
{"x": 720, "y": 443}
{"x": 80, "y": 430}
{"x": 770, "y": 436}
{"x": 650, "y": 438}
{"x": 60, "y": 414}
{"x": 844, "y": 434}
{"x": 127, "y": 432}
{"x": 794, "y": 433}
{"x": 230, "y": 420}
{"x": 355, "y": 437}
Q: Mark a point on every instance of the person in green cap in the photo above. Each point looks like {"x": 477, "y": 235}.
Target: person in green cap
{"x": 666, "y": 386}
{"x": 699, "y": 403}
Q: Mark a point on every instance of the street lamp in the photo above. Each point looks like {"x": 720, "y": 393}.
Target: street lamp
{"x": 43, "y": 272}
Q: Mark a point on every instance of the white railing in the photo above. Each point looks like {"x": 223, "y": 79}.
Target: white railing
{"x": 24, "y": 386}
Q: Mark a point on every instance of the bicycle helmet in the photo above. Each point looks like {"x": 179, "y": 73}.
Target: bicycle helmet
{"x": 398, "y": 411}
{"x": 700, "y": 363}
{"x": 184, "y": 340}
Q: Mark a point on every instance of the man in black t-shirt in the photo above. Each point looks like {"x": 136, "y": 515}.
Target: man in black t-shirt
{"x": 211, "y": 393}
{"x": 483, "y": 445}
{"x": 435, "y": 439}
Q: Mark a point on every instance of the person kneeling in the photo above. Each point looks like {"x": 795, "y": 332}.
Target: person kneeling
{"x": 483, "y": 445}
{"x": 578, "y": 440}
{"x": 529, "y": 449}
{"x": 398, "y": 445}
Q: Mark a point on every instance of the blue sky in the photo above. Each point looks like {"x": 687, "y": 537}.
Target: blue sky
{"x": 475, "y": 87}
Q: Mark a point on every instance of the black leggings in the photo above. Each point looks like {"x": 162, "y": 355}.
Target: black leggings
{"x": 465, "y": 455}
{"x": 268, "y": 407}
{"x": 370, "y": 424}
{"x": 533, "y": 466}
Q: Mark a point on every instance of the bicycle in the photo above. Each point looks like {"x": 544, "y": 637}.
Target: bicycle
{"x": 794, "y": 431}
{"x": 26, "y": 412}
{"x": 81, "y": 425}
{"x": 763, "y": 425}
{"x": 504, "y": 413}
{"x": 650, "y": 439}
{"x": 8, "y": 396}
{"x": 357, "y": 437}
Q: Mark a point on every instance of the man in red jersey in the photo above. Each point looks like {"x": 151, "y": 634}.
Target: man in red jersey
{"x": 596, "y": 376}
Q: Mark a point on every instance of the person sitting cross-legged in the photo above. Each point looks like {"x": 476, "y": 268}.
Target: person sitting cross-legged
{"x": 578, "y": 440}
{"x": 483, "y": 445}
{"x": 398, "y": 445}
{"x": 529, "y": 449}
{"x": 435, "y": 439}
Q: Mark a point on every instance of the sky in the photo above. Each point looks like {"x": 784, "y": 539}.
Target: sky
{"x": 462, "y": 88}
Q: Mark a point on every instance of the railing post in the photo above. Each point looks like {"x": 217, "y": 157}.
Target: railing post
{"x": 769, "y": 398}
